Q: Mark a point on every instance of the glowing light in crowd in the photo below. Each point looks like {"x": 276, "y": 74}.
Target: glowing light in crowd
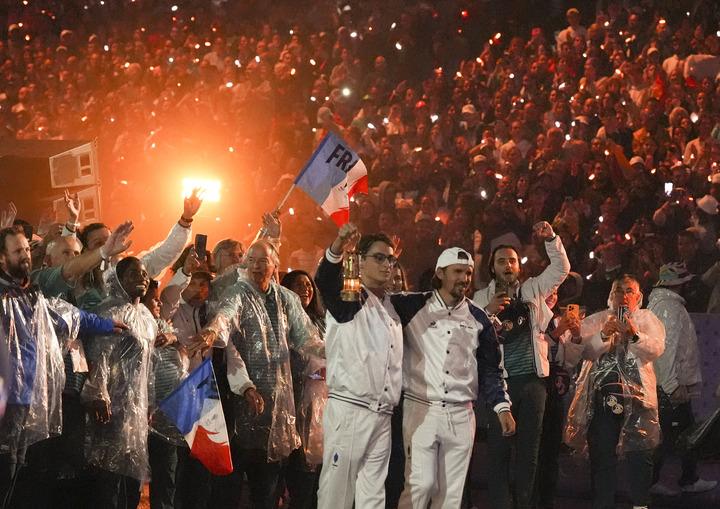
{"x": 601, "y": 219}
{"x": 627, "y": 236}
{"x": 511, "y": 76}
{"x": 591, "y": 176}
{"x": 437, "y": 218}
{"x": 292, "y": 72}
{"x": 464, "y": 14}
{"x": 312, "y": 98}
{"x": 392, "y": 27}
{"x": 237, "y": 63}
{"x": 124, "y": 182}
{"x": 346, "y": 92}
{"x": 229, "y": 84}
{"x": 694, "y": 117}
{"x": 483, "y": 194}
{"x": 312, "y": 61}
{"x": 398, "y": 46}
{"x": 231, "y": 149}
{"x": 257, "y": 58}
{"x": 591, "y": 255}
{"x": 370, "y": 125}
{"x": 433, "y": 118}
{"x": 353, "y": 34}
{"x": 174, "y": 8}
{"x": 291, "y": 211}
{"x": 208, "y": 44}
{"x": 386, "y": 121}
{"x": 106, "y": 47}
{"x": 557, "y": 124}
{"x": 498, "y": 176}
{"x": 523, "y": 260}
{"x": 217, "y": 219}
{"x": 567, "y": 137}
{"x": 210, "y": 188}
{"x": 171, "y": 60}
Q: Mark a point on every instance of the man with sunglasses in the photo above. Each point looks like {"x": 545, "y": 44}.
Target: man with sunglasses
{"x": 450, "y": 349}
{"x": 364, "y": 348}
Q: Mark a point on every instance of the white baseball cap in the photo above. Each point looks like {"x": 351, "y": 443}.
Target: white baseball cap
{"x": 453, "y": 256}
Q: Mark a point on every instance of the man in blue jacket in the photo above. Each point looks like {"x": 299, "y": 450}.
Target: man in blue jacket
{"x": 451, "y": 351}
{"x": 35, "y": 330}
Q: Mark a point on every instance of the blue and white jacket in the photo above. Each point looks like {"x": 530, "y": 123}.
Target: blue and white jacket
{"x": 449, "y": 352}
{"x": 363, "y": 343}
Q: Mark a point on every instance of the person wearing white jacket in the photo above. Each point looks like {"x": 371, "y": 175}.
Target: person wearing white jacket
{"x": 524, "y": 316}
{"x": 678, "y": 375}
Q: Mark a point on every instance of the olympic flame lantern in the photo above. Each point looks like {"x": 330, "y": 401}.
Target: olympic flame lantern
{"x": 351, "y": 277}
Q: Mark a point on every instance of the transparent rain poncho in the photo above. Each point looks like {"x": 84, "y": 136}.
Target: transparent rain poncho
{"x": 623, "y": 379}
{"x": 170, "y": 367}
{"x": 263, "y": 328}
{"x": 311, "y": 405}
{"x": 121, "y": 374}
{"x": 35, "y": 331}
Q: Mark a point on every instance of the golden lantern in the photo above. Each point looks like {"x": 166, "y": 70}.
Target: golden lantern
{"x": 351, "y": 278}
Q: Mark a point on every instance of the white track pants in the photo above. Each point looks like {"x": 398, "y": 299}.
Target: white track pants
{"x": 438, "y": 445}
{"x": 356, "y": 452}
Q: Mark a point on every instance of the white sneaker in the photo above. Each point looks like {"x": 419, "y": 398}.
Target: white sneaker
{"x": 661, "y": 490}
{"x": 640, "y": 507}
{"x": 699, "y": 486}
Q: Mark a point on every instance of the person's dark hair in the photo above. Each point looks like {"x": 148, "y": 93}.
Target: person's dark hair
{"x": 181, "y": 260}
{"x": 124, "y": 264}
{"x": 202, "y": 274}
{"x": 85, "y": 233}
{"x": 491, "y": 264}
{"x": 7, "y": 232}
{"x": 687, "y": 235}
{"x": 153, "y": 285}
{"x": 366, "y": 242}
{"x": 625, "y": 277}
{"x": 26, "y": 227}
{"x": 315, "y": 309}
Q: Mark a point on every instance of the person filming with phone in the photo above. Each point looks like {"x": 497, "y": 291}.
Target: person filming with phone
{"x": 521, "y": 315}
{"x": 615, "y": 407}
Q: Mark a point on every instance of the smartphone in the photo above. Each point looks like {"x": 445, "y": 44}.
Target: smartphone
{"x": 201, "y": 245}
{"x": 573, "y": 311}
{"x": 622, "y": 312}
{"x": 668, "y": 188}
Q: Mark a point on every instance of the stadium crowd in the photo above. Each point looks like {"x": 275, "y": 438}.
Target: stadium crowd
{"x": 601, "y": 119}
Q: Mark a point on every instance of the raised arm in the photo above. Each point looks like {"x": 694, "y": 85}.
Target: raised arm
{"x": 559, "y": 267}
{"x": 164, "y": 254}
{"x": 118, "y": 242}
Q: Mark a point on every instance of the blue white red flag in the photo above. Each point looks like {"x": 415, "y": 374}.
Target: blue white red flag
{"x": 195, "y": 409}
{"x": 332, "y": 176}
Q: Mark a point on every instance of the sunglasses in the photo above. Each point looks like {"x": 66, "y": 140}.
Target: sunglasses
{"x": 382, "y": 258}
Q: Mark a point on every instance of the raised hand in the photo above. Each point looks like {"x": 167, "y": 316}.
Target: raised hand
{"x": 73, "y": 206}
{"x": 347, "y": 236}
{"x": 118, "y": 240}
{"x": 192, "y": 203}
{"x": 543, "y": 231}
{"x": 7, "y": 217}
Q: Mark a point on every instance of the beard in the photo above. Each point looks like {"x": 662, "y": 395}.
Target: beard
{"x": 458, "y": 290}
{"x": 20, "y": 270}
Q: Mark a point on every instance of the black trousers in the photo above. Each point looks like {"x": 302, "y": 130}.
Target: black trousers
{"x": 163, "y": 465}
{"x": 193, "y": 482}
{"x": 673, "y": 421}
{"x": 263, "y": 479}
{"x": 302, "y": 482}
{"x": 528, "y": 394}
{"x": 550, "y": 442}
{"x": 603, "y": 436}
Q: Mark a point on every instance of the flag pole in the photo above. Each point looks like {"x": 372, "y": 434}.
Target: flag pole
{"x": 284, "y": 199}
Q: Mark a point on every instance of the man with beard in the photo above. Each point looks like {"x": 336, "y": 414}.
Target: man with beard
{"x": 522, "y": 313}
{"x": 450, "y": 345}
{"x": 34, "y": 330}
{"x": 116, "y": 391}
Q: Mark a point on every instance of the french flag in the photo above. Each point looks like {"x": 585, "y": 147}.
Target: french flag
{"x": 332, "y": 176}
{"x": 195, "y": 409}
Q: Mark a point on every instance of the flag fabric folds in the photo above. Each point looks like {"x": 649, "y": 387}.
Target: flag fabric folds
{"x": 195, "y": 409}
{"x": 332, "y": 176}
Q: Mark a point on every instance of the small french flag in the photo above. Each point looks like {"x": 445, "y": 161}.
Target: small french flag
{"x": 332, "y": 176}
{"x": 195, "y": 409}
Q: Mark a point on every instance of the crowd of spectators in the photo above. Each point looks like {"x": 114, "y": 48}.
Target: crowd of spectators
{"x": 472, "y": 129}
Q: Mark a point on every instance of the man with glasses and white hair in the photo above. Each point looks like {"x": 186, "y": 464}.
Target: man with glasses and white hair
{"x": 265, "y": 320}
{"x": 615, "y": 408}
{"x": 364, "y": 347}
